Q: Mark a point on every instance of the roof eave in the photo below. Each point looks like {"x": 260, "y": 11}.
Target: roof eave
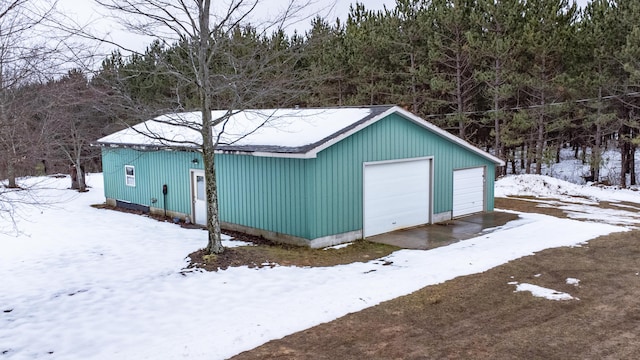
{"x": 143, "y": 147}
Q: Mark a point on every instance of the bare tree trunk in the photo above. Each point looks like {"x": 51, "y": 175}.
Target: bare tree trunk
{"x": 459, "y": 95}
{"x": 11, "y": 167}
{"x": 10, "y": 157}
{"x": 214, "y": 245}
{"x": 624, "y": 163}
{"x": 372, "y": 94}
{"x": 82, "y": 185}
{"x": 414, "y": 89}
{"x": 632, "y": 165}
{"x": 77, "y": 178}
{"x": 73, "y": 172}
{"x": 11, "y": 174}
{"x": 499, "y": 151}
{"x": 596, "y": 154}
{"x": 539, "y": 148}
{"x": 529, "y": 158}
{"x": 523, "y": 155}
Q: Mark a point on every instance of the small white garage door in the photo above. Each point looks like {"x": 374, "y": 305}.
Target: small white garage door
{"x": 468, "y": 191}
{"x": 396, "y": 195}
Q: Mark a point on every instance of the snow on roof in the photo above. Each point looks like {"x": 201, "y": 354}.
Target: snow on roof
{"x": 279, "y": 130}
{"x": 293, "y": 132}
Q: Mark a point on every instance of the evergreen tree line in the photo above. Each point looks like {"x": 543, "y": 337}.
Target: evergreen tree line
{"x": 519, "y": 78}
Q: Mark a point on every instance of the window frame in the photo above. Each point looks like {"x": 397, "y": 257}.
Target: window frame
{"x": 130, "y": 180}
{"x": 201, "y": 193}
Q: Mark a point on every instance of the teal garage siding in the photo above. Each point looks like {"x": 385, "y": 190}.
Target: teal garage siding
{"x": 152, "y": 170}
{"x": 264, "y": 193}
{"x": 259, "y": 192}
{"x": 337, "y": 190}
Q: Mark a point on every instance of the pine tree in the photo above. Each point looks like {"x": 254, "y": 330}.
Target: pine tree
{"x": 547, "y": 35}
{"x": 498, "y": 47}
{"x": 453, "y": 84}
{"x": 367, "y": 44}
{"x": 596, "y": 72}
{"x": 324, "y": 62}
{"x": 629, "y": 138}
{"x": 409, "y": 61}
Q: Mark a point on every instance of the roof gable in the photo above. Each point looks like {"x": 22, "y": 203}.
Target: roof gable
{"x": 300, "y": 133}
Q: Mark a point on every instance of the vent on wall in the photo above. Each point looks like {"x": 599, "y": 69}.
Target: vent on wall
{"x": 131, "y": 206}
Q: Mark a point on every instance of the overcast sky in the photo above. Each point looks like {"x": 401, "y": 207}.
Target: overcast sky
{"x": 86, "y": 11}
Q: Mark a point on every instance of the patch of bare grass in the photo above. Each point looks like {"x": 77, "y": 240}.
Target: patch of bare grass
{"x": 621, "y": 205}
{"x": 272, "y": 254}
{"x": 524, "y": 204}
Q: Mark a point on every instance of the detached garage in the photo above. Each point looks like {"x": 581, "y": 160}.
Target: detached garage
{"x": 314, "y": 177}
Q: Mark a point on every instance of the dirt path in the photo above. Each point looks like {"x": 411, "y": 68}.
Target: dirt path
{"x": 481, "y": 317}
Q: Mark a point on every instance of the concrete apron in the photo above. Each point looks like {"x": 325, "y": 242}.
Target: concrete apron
{"x": 442, "y": 234}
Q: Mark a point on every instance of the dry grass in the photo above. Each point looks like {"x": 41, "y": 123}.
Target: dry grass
{"x": 524, "y": 204}
{"x": 269, "y": 254}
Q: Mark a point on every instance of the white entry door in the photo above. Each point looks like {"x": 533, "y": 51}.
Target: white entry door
{"x": 468, "y": 191}
{"x": 396, "y": 195}
{"x": 198, "y": 197}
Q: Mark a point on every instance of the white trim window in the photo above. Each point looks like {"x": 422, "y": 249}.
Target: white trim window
{"x": 130, "y": 175}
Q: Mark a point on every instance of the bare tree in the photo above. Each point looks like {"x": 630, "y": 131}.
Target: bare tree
{"x": 24, "y": 58}
{"x": 73, "y": 122}
{"x": 33, "y": 51}
{"x": 29, "y": 54}
{"x": 221, "y": 63}
{"x": 15, "y": 69}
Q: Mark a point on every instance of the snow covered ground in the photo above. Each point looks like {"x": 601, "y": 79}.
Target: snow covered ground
{"x": 573, "y": 170}
{"x": 577, "y": 201}
{"x": 85, "y": 283}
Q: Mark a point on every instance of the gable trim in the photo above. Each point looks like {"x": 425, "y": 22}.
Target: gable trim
{"x": 413, "y": 118}
{"x": 429, "y": 126}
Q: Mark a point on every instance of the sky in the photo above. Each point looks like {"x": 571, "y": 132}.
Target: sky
{"x": 87, "y": 12}
{"x": 88, "y": 283}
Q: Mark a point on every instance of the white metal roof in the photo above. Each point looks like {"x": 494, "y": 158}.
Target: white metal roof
{"x": 269, "y": 132}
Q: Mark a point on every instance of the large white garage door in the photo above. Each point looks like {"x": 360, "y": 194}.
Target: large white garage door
{"x": 396, "y": 195}
{"x": 468, "y": 191}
